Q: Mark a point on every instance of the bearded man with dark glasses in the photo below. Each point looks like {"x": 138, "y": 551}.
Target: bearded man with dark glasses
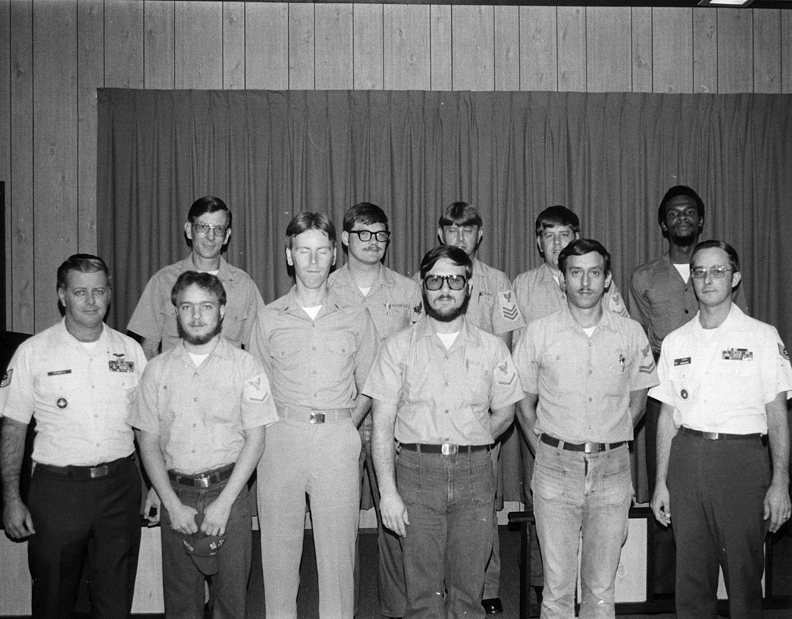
{"x": 445, "y": 390}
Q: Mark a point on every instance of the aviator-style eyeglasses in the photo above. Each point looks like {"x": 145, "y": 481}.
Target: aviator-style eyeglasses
{"x": 365, "y": 235}
{"x": 203, "y": 229}
{"x": 435, "y": 282}
{"x": 716, "y": 272}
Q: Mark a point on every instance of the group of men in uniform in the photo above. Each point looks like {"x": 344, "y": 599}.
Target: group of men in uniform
{"x": 412, "y": 382}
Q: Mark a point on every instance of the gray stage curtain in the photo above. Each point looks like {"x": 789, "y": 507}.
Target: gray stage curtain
{"x": 608, "y": 156}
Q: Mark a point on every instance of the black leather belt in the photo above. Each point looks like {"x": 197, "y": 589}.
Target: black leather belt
{"x": 721, "y": 436}
{"x": 589, "y": 448}
{"x": 446, "y": 449}
{"x": 105, "y": 469}
{"x": 202, "y": 480}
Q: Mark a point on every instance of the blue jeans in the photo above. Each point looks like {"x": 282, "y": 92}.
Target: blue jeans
{"x": 577, "y": 494}
{"x": 450, "y": 503}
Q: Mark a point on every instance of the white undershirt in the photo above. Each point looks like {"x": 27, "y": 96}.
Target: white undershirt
{"x": 684, "y": 270}
{"x": 448, "y": 339}
{"x": 589, "y": 330}
{"x": 198, "y": 359}
{"x": 90, "y": 346}
{"x": 364, "y": 291}
{"x": 312, "y": 311}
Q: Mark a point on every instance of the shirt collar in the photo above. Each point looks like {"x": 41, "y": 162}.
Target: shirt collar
{"x": 223, "y": 272}
{"x": 466, "y": 334}
{"x": 568, "y": 321}
{"x": 291, "y": 306}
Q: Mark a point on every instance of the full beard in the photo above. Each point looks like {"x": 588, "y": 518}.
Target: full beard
{"x": 448, "y": 316}
{"x": 199, "y": 340}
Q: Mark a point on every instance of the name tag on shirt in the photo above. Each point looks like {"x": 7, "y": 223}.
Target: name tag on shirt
{"x": 682, "y": 361}
{"x": 737, "y": 354}
{"x": 58, "y": 372}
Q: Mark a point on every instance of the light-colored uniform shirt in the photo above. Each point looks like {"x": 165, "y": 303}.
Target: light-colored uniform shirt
{"x": 444, "y": 396}
{"x": 200, "y": 414}
{"x": 155, "y": 316}
{"x": 662, "y": 301}
{"x": 79, "y": 396}
{"x": 583, "y": 382}
{"x": 318, "y": 364}
{"x": 719, "y": 380}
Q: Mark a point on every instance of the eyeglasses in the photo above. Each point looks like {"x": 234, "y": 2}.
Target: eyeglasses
{"x": 203, "y": 229}
{"x": 717, "y": 272}
{"x": 435, "y": 282}
{"x": 365, "y": 235}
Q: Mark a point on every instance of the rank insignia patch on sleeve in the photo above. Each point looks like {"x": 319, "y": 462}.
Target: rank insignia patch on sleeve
{"x": 781, "y": 351}
{"x": 6, "y": 380}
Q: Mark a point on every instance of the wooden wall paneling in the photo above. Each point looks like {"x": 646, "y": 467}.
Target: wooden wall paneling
{"x": 267, "y": 45}
{"x": 20, "y": 268}
{"x": 368, "y": 57}
{"x": 407, "y": 47}
{"x": 301, "y": 46}
{"x": 705, "y": 50}
{"x": 334, "y": 46}
{"x": 507, "y": 48}
{"x": 571, "y": 48}
{"x": 234, "y": 42}
{"x": 540, "y": 50}
{"x": 767, "y": 51}
{"x": 123, "y": 44}
{"x": 442, "y": 77}
{"x": 198, "y": 44}
{"x": 608, "y": 47}
{"x": 158, "y": 44}
{"x": 90, "y": 76}
{"x": 735, "y": 50}
{"x": 786, "y": 52}
{"x": 672, "y": 50}
{"x": 473, "y": 47}
{"x": 642, "y": 57}
{"x": 55, "y": 148}
{"x": 5, "y": 154}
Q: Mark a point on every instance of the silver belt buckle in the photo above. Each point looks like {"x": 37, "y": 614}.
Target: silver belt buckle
{"x": 201, "y": 481}
{"x": 589, "y": 448}
{"x": 99, "y": 471}
{"x": 713, "y": 436}
{"x": 317, "y": 417}
{"x": 449, "y": 449}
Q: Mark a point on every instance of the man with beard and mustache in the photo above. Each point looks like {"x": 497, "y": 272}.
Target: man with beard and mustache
{"x": 585, "y": 371}
{"x": 662, "y": 299}
{"x": 200, "y": 413}
{"x": 445, "y": 390}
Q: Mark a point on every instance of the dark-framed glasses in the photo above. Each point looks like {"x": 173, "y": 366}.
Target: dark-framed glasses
{"x": 365, "y": 235}
{"x": 203, "y": 229}
{"x": 715, "y": 272}
{"x": 435, "y": 282}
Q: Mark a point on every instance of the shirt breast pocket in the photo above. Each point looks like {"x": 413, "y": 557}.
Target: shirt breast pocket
{"x": 58, "y": 392}
{"x": 339, "y": 346}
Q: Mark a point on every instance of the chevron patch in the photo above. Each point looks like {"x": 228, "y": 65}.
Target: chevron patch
{"x": 504, "y": 373}
{"x": 647, "y": 368}
{"x": 6, "y": 378}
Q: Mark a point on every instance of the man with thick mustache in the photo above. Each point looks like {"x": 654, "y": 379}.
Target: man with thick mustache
{"x": 445, "y": 390}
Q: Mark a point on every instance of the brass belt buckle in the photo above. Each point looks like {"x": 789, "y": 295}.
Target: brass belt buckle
{"x": 99, "y": 471}
{"x": 201, "y": 481}
{"x": 449, "y": 449}
{"x": 317, "y": 417}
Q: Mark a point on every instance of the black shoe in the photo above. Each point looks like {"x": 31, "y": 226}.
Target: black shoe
{"x": 492, "y": 606}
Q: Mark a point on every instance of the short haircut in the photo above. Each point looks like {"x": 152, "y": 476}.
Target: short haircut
{"x": 734, "y": 259}
{"x": 84, "y": 263}
{"x": 456, "y": 255}
{"x": 364, "y": 213}
{"x": 460, "y": 214}
{"x": 557, "y": 216}
{"x": 208, "y": 204}
{"x": 302, "y": 222}
{"x": 581, "y": 247}
{"x": 679, "y": 190}
{"x": 205, "y": 281}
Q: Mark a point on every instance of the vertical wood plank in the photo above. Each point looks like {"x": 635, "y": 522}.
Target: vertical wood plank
{"x": 267, "y": 45}
{"x": 571, "y": 48}
{"x": 473, "y": 47}
{"x": 334, "y": 46}
{"x": 368, "y": 59}
{"x": 767, "y": 51}
{"x": 54, "y": 147}
{"x": 735, "y": 50}
{"x": 198, "y": 39}
{"x": 123, "y": 44}
{"x": 158, "y": 44}
{"x": 786, "y": 52}
{"x": 608, "y": 63}
{"x": 442, "y": 77}
{"x": 90, "y": 76}
{"x": 234, "y": 31}
{"x": 642, "y": 58}
{"x": 5, "y": 155}
{"x": 301, "y": 46}
{"x": 705, "y": 50}
{"x": 507, "y": 48}
{"x": 672, "y": 50}
{"x": 539, "y": 52}
{"x": 407, "y": 47}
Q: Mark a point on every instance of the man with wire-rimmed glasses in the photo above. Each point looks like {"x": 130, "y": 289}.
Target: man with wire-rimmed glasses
{"x": 445, "y": 390}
